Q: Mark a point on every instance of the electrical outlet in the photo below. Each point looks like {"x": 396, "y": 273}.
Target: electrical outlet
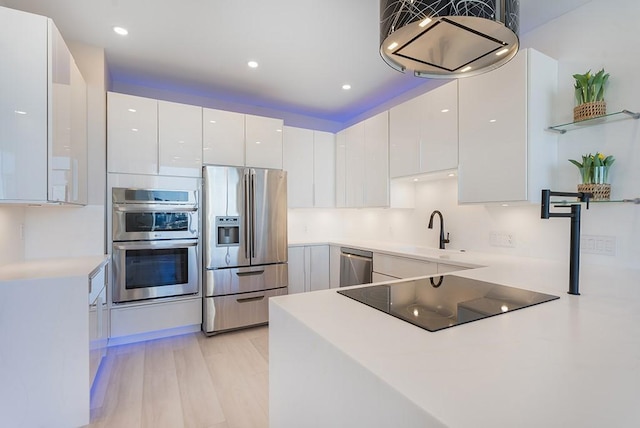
{"x": 502, "y": 239}
{"x": 598, "y": 244}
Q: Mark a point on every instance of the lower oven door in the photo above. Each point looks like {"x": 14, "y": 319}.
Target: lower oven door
{"x": 152, "y": 269}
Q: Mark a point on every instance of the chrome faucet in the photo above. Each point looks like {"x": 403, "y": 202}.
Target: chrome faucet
{"x": 442, "y": 240}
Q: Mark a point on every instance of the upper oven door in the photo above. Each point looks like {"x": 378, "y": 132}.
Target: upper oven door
{"x": 146, "y": 222}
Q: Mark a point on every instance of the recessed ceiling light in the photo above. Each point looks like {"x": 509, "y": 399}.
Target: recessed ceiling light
{"x": 502, "y": 51}
{"x": 416, "y": 179}
{"x": 121, "y": 31}
{"x": 346, "y": 86}
{"x": 132, "y": 110}
{"x": 444, "y": 110}
{"x": 257, "y": 142}
{"x": 424, "y": 22}
{"x": 492, "y": 121}
{"x": 212, "y": 121}
{"x": 452, "y": 174}
{"x": 20, "y": 112}
{"x": 467, "y": 68}
{"x": 134, "y": 129}
{"x": 253, "y": 64}
{"x": 278, "y": 130}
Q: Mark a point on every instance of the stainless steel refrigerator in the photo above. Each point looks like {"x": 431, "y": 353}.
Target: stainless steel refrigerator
{"x": 245, "y": 245}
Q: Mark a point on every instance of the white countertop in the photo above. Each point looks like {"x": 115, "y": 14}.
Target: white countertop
{"x": 570, "y": 362}
{"x": 52, "y": 268}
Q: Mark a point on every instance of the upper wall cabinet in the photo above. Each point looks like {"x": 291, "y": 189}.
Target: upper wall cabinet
{"x": 263, "y": 142}
{"x": 43, "y": 114}
{"x": 423, "y": 133}
{"x": 362, "y": 164}
{"x": 179, "y": 139}
{"x": 505, "y": 153}
{"x": 146, "y": 136}
{"x": 239, "y": 139}
{"x": 309, "y": 159}
{"x": 222, "y": 137}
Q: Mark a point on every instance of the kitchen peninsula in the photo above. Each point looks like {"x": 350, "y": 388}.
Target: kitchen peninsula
{"x": 570, "y": 362}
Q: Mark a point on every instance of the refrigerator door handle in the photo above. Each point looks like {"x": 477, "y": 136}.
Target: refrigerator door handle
{"x": 253, "y": 213}
{"x": 248, "y": 232}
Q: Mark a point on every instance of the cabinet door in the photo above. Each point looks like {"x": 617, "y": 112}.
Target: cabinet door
{"x": 222, "y": 137}
{"x": 376, "y": 155}
{"x": 179, "y": 139}
{"x": 493, "y": 134}
{"x": 355, "y": 166}
{"x": 324, "y": 169}
{"x": 319, "y": 267}
{"x": 68, "y": 149}
{"x": 298, "y": 162}
{"x": 439, "y": 128}
{"x": 23, "y": 106}
{"x": 263, "y": 142}
{"x": 404, "y": 135}
{"x": 132, "y": 134}
{"x": 341, "y": 169}
{"x": 296, "y": 268}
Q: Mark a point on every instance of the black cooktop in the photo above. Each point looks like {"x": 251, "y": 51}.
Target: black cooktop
{"x": 445, "y": 301}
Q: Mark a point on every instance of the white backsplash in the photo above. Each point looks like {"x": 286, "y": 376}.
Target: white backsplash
{"x": 471, "y": 226}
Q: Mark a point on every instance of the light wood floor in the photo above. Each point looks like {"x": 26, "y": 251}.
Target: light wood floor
{"x": 186, "y": 381}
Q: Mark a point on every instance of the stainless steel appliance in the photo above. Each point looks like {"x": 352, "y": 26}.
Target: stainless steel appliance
{"x": 245, "y": 245}
{"x": 155, "y": 243}
{"x": 356, "y": 266}
{"x": 440, "y": 302}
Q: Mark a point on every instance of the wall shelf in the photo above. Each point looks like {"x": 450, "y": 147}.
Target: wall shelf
{"x": 607, "y": 118}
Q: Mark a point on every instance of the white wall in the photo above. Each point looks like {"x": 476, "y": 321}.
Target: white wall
{"x": 11, "y": 241}
{"x": 598, "y": 34}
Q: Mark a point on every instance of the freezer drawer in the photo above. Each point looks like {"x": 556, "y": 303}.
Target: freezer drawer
{"x": 221, "y": 282}
{"x": 237, "y": 311}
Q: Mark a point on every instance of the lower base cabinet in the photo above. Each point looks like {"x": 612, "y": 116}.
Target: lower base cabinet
{"x": 308, "y": 268}
{"x": 147, "y": 318}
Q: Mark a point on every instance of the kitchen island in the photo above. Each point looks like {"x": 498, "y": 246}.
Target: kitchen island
{"x": 44, "y": 337}
{"x": 574, "y": 361}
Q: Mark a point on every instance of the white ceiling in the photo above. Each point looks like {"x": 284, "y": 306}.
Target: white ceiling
{"x": 307, "y": 49}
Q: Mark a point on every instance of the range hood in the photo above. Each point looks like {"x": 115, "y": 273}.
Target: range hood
{"x": 448, "y": 38}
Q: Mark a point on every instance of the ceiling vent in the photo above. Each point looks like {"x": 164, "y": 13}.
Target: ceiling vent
{"x": 448, "y": 38}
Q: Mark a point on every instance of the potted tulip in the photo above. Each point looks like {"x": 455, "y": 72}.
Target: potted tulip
{"x": 589, "y": 92}
{"x": 594, "y": 172}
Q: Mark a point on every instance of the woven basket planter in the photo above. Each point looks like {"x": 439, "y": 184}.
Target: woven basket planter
{"x": 600, "y": 192}
{"x": 589, "y": 110}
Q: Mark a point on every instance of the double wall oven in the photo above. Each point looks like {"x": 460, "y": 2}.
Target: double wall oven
{"x": 155, "y": 243}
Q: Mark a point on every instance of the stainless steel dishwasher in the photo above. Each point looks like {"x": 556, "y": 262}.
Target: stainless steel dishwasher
{"x": 356, "y": 266}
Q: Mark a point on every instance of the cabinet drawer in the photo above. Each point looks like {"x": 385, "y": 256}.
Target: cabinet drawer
{"x": 402, "y": 267}
{"x": 240, "y": 310}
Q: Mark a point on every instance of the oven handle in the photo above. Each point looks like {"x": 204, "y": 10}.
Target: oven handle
{"x": 144, "y": 245}
{"x": 155, "y": 208}
{"x": 250, "y": 299}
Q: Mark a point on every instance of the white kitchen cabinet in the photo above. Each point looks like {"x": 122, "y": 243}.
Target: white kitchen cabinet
{"x": 324, "y": 169}
{"x": 263, "y": 142}
{"x": 222, "y": 137}
{"x": 132, "y": 134}
{"x": 308, "y": 268}
{"x": 151, "y": 137}
{"x": 362, "y": 164}
{"x": 376, "y": 161}
{"x": 43, "y": 114}
{"x": 98, "y": 320}
{"x": 423, "y": 133}
{"x": 335, "y": 253}
{"x": 179, "y": 139}
{"x": 298, "y": 162}
{"x": 505, "y": 153}
{"x": 308, "y": 158}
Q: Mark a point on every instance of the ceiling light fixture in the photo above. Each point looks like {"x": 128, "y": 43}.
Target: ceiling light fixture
{"x": 346, "y": 86}
{"x": 252, "y": 64}
{"x": 441, "y": 39}
{"x": 444, "y": 110}
{"x": 121, "y": 31}
{"x": 132, "y": 110}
